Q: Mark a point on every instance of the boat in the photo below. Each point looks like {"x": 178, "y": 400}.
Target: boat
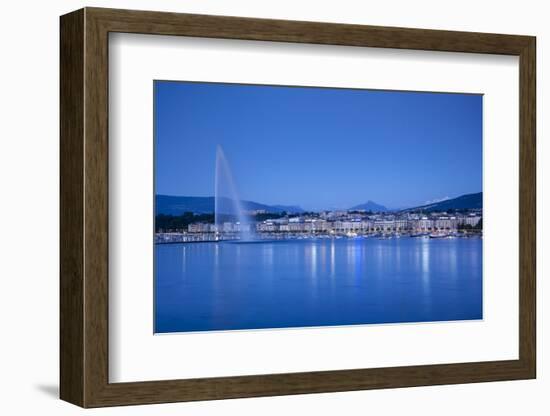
{"x": 438, "y": 234}
{"x": 419, "y": 235}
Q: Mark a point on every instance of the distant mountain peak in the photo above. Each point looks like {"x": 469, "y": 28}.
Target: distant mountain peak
{"x": 369, "y": 206}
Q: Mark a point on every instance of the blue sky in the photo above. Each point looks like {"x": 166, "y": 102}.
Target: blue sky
{"x": 319, "y": 148}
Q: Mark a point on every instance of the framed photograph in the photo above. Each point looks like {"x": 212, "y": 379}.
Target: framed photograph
{"x": 255, "y": 207}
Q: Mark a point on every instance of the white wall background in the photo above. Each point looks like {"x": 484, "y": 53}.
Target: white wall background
{"x": 29, "y": 209}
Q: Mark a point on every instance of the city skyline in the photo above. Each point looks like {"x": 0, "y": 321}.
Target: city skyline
{"x": 319, "y": 148}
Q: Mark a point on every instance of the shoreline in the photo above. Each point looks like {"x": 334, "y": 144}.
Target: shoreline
{"x": 320, "y": 237}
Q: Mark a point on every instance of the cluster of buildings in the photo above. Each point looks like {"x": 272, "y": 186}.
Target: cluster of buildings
{"x": 350, "y": 224}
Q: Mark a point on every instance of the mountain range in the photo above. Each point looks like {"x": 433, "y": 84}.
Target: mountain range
{"x": 468, "y": 201}
{"x": 177, "y": 205}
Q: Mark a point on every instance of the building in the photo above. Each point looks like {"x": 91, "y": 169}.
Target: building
{"x": 266, "y": 227}
{"x": 423, "y": 225}
{"x": 401, "y": 225}
{"x": 471, "y": 220}
{"x": 199, "y": 227}
{"x": 347, "y": 225}
{"x": 384, "y": 225}
{"x": 446, "y": 223}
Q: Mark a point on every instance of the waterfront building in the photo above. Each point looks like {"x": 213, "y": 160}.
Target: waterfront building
{"x": 198, "y": 227}
{"x": 424, "y": 225}
{"x": 384, "y": 225}
{"x": 471, "y": 220}
{"x": 367, "y": 226}
{"x": 322, "y": 225}
{"x": 401, "y": 224}
{"x": 266, "y": 227}
{"x": 446, "y": 223}
{"x": 354, "y": 224}
{"x": 295, "y": 226}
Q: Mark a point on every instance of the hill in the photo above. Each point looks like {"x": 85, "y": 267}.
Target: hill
{"x": 177, "y": 205}
{"x": 468, "y": 201}
{"x": 369, "y": 206}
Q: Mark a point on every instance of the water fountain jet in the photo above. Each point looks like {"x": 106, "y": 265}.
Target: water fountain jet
{"x": 227, "y": 201}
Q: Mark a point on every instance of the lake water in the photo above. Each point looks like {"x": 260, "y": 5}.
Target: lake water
{"x": 301, "y": 283}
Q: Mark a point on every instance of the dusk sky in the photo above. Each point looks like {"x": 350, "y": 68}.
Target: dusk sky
{"x": 320, "y": 148}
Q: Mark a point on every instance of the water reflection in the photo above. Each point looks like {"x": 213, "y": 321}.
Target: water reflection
{"x": 425, "y": 251}
{"x": 214, "y": 286}
{"x": 332, "y": 259}
{"x": 268, "y": 256}
{"x": 453, "y": 261}
{"x": 311, "y": 255}
{"x": 183, "y": 260}
{"x": 426, "y": 283}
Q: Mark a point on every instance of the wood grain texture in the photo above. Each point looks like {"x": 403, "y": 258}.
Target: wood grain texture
{"x": 162, "y": 23}
{"x": 96, "y": 208}
{"x": 527, "y": 208}
{"x": 84, "y": 207}
{"x": 71, "y": 208}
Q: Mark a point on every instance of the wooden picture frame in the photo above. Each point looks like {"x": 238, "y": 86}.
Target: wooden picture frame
{"x": 84, "y": 207}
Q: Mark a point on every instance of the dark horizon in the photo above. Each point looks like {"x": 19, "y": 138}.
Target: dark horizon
{"x": 319, "y": 148}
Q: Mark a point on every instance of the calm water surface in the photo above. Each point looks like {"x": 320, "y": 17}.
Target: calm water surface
{"x": 299, "y": 283}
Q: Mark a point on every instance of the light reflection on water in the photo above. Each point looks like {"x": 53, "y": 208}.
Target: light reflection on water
{"x": 224, "y": 286}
